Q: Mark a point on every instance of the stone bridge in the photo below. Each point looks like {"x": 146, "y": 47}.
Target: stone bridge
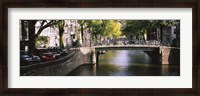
{"x": 161, "y": 54}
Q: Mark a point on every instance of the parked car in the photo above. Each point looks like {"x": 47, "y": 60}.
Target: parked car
{"x": 36, "y": 58}
{"x": 26, "y": 58}
{"x": 57, "y": 51}
{"x": 64, "y": 51}
{"x": 44, "y": 54}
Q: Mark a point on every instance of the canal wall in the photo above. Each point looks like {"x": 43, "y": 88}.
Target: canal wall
{"x": 165, "y": 55}
{"x": 59, "y": 67}
{"x": 170, "y": 55}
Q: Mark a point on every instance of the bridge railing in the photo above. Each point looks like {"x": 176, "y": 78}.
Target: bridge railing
{"x": 131, "y": 42}
{"x": 153, "y": 42}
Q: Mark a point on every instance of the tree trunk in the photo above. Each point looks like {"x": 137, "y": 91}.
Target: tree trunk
{"x": 61, "y": 31}
{"x": 95, "y": 39}
{"x": 22, "y": 43}
{"x": 161, "y": 34}
{"x": 32, "y": 39}
{"x": 82, "y": 34}
{"x": 90, "y": 39}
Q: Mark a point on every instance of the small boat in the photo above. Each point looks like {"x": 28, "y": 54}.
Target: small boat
{"x": 102, "y": 52}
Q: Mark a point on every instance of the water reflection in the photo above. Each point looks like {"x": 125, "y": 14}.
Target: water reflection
{"x": 126, "y": 63}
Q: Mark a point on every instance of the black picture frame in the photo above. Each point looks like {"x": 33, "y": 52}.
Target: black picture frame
{"x": 194, "y": 4}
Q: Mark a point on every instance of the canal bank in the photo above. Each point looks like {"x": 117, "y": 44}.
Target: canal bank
{"x": 59, "y": 67}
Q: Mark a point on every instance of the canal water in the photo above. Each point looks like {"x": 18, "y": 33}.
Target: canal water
{"x": 126, "y": 63}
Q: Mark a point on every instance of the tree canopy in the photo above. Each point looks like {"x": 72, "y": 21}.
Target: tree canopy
{"x": 139, "y": 27}
{"x": 105, "y": 28}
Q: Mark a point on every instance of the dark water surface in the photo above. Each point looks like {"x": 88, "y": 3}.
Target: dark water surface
{"x": 126, "y": 63}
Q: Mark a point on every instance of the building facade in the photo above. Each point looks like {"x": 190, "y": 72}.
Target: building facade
{"x": 24, "y": 36}
{"x": 69, "y": 35}
{"x": 169, "y": 34}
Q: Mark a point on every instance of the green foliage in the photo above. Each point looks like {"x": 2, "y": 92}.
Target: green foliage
{"x": 76, "y": 43}
{"x": 102, "y": 27}
{"x": 42, "y": 38}
{"x": 112, "y": 28}
{"x": 162, "y": 23}
{"x": 105, "y": 28}
{"x": 139, "y": 27}
{"x": 136, "y": 27}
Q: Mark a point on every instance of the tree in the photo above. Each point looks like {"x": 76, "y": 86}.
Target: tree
{"x": 137, "y": 28}
{"x": 112, "y": 28}
{"x": 32, "y": 38}
{"x": 33, "y": 35}
{"x": 94, "y": 28}
{"x": 105, "y": 28}
{"x": 60, "y": 24}
{"x": 162, "y": 24}
{"x": 81, "y": 23}
{"x": 92, "y": 25}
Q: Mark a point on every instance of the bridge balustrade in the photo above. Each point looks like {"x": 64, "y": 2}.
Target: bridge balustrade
{"x": 134, "y": 42}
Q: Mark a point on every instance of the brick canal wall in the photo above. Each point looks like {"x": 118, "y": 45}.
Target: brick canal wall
{"x": 165, "y": 55}
{"x": 59, "y": 67}
{"x": 170, "y": 55}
